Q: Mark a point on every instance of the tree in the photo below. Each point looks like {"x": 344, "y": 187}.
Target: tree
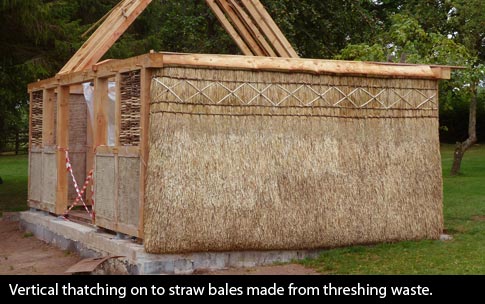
{"x": 36, "y": 39}
{"x": 320, "y": 29}
{"x": 17, "y": 61}
{"x": 468, "y": 20}
{"x": 454, "y": 35}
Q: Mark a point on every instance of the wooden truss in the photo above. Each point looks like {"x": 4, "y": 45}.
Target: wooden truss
{"x": 252, "y": 28}
{"x": 246, "y": 21}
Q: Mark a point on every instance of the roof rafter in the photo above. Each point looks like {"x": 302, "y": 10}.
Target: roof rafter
{"x": 246, "y": 21}
{"x": 122, "y": 16}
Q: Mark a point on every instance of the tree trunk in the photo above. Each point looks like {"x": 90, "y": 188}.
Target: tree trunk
{"x": 17, "y": 142}
{"x": 462, "y": 147}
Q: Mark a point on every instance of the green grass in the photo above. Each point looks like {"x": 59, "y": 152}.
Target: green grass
{"x": 464, "y": 211}
{"x": 13, "y": 191}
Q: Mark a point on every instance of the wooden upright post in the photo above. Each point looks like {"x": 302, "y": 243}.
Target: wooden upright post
{"x": 145, "y": 96}
{"x": 63, "y": 144}
{"x": 118, "y": 109}
{"x": 101, "y": 107}
{"x": 48, "y": 119}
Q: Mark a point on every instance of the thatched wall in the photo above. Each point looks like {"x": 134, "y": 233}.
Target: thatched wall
{"x": 243, "y": 160}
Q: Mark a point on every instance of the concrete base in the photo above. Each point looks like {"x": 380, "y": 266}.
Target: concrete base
{"x": 90, "y": 242}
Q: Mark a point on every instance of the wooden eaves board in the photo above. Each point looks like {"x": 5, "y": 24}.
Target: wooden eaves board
{"x": 315, "y": 66}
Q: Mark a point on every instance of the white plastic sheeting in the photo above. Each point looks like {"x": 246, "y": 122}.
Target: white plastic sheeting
{"x": 89, "y": 96}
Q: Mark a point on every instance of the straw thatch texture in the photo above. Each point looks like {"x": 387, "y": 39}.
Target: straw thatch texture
{"x": 244, "y": 160}
{"x": 36, "y": 120}
{"x": 130, "y": 109}
{"x": 43, "y": 180}
{"x": 35, "y": 177}
{"x": 49, "y": 180}
{"x": 105, "y": 188}
{"x": 128, "y": 190}
{"x": 117, "y": 193}
{"x": 77, "y": 141}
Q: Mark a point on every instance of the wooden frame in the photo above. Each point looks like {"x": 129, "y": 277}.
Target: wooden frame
{"x": 276, "y": 38}
{"x": 254, "y": 32}
{"x": 65, "y": 84}
{"x": 245, "y": 48}
{"x": 63, "y": 94}
{"x": 121, "y": 17}
{"x": 252, "y": 29}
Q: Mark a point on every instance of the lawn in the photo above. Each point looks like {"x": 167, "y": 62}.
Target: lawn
{"x": 13, "y": 191}
{"x": 464, "y": 212}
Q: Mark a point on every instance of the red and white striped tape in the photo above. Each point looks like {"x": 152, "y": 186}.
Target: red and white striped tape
{"x": 79, "y": 192}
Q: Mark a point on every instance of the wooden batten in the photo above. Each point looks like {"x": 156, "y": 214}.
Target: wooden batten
{"x": 63, "y": 144}
{"x": 43, "y": 84}
{"x": 124, "y": 151}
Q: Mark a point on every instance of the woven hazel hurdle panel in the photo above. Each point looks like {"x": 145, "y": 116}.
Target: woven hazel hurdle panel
{"x": 37, "y": 114}
{"x": 130, "y": 109}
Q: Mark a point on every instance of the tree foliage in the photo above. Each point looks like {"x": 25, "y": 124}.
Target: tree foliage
{"x": 39, "y": 36}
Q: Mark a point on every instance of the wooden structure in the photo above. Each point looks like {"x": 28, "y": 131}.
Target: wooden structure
{"x": 247, "y": 21}
{"x": 218, "y": 152}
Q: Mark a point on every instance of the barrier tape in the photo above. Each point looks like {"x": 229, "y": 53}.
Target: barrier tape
{"x": 83, "y": 190}
{"x": 92, "y": 197}
{"x": 76, "y": 187}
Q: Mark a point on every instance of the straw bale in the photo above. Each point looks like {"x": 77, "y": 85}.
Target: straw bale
{"x": 35, "y": 182}
{"x": 49, "y": 180}
{"x": 231, "y": 169}
{"x": 104, "y": 187}
{"x": 128, "y": 190}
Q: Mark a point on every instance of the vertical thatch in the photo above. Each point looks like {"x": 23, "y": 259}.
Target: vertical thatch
{"x": 245, "y": 160}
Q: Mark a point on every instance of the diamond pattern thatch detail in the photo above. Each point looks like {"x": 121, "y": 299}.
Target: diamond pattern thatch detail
{"x": 296, "y": 95}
